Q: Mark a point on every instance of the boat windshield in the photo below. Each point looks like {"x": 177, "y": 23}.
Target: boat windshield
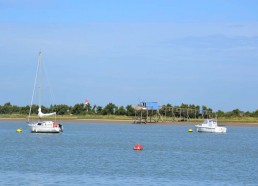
{"x": 206, "y": 121}
{"x": 209, "y": 121}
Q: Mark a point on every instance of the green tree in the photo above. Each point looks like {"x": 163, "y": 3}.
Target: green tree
{"x": 78, "y": 109}
{"x": 99, "y": 110}
{"x": 184, "y": 105}
{"x": 130, "y": 110}
{"x": 6, "y": 108}
{"x": 236, "y": 112}
{"x": 109, "y": 109}
{"x": 60, "y": 109}
{"x": 121, "y": 111}
{"x": 248, "y": 114}
{"x": 220, "y": 113}
{"x": 24, "y": 110}
{"x": 255, "y": 113}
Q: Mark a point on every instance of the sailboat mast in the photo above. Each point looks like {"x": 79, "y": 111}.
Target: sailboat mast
{"x": 34, "y": 87}
{"x": 40, "y": 78}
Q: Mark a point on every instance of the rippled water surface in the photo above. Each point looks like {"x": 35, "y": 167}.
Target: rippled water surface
{"x": 102, "y": 154}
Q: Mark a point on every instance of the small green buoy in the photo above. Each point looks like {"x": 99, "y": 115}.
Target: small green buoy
{"x": 190, "y": 130}
{"x": 19, "y": 130}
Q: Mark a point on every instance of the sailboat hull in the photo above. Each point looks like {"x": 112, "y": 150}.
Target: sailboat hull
{"x": 46, "y": 127}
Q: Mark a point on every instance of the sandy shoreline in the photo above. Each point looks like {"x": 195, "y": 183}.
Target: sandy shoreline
{"x": 87, "y": 121}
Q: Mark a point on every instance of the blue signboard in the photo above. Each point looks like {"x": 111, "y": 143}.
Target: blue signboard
{"x": 150, "y": 105}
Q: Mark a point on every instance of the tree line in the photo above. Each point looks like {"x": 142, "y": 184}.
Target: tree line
{"x": 112, "y": 109}
{"x": 63, "y": 109}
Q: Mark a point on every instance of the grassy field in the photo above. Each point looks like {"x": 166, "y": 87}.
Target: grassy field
{"x": 225, "y": 120}
{"x": 69, "y": 117}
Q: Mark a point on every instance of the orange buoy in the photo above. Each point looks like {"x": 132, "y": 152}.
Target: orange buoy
{"x": 138, "y": 147}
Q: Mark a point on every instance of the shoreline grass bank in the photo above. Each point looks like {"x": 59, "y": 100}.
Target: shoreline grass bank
{"x": 245, "y": 121}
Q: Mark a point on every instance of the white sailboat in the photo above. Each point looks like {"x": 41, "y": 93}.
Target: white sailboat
{"x": 42, "y": 126}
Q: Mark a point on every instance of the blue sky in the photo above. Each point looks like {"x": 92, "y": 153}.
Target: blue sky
{"x": 170, "y": 51}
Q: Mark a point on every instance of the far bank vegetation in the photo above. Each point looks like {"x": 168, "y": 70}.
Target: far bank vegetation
{"x": 112, "y": 111}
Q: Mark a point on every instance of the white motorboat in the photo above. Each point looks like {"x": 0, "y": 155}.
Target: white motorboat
{"x": 210, "y": 125}
{"x": 42, "y": 126}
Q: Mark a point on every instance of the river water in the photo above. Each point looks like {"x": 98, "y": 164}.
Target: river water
{"x": 102, "y": 154}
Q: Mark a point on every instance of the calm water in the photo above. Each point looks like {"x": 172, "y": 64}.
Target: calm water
{"x": 102, "y": 154}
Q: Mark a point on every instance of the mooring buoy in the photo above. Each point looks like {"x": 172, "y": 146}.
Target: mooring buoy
{"x": 138, "y": 147}
{"x": 19, "y": 130}
{"x": 190, "y": 130}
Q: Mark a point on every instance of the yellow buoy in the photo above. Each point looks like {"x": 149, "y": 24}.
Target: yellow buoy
{"x": 190, "y": 130}
{"x": 19, "y": 130}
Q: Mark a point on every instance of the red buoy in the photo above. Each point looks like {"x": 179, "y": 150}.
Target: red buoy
{"x": 138, "y": 147}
